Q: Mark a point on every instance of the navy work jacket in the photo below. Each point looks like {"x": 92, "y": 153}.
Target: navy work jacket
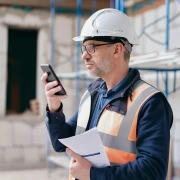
{"x": 153, "y": 134}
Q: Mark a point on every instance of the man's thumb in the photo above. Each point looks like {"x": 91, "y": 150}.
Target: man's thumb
{"x": 72, "y": 154}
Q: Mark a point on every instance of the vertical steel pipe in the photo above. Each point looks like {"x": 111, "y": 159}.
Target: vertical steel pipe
{"x": 122, "y": 6}
{"x": 52, "y": 14}
{"x": 157, "y": 79}
{"x": 166, "y": 85}
{"x": 174, "y": 84}
{"x": 79, "y": 13}
{"x": 167, "y": 41}
{"x": 112, "y": 3}
{"x": 167, "y": 23}
{"x": 93, "y": 6}
{"x": 117, "y": 4}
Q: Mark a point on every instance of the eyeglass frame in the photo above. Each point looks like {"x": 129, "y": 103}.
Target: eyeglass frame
{"x": 94, "y": 46}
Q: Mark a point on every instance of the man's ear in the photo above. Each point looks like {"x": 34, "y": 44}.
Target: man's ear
{"x": 118, "y": 50}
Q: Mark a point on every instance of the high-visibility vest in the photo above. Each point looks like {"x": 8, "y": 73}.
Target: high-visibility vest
{"x": 117, "y": 131}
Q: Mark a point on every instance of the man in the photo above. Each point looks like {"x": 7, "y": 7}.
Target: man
{"x": 133, "y": 118}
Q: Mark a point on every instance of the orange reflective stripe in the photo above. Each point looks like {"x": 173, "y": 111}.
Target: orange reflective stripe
{"x": 132, "y": 134}
{"x": 110, "y": 120}
{"x": 118, "y": 156}
{"x": 114, "y": 124}
{"x": 136, "y": 93}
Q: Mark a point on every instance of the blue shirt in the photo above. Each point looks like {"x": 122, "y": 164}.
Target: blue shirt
{"x": 106, "y": 97}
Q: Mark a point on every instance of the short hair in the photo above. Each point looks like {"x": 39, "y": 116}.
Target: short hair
{"x": 126, "y": 55}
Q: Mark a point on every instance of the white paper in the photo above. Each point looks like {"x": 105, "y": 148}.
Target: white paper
{"x": 89, "y": 146}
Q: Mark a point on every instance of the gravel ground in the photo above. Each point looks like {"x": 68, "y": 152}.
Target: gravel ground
{"x": 37, "y": 174}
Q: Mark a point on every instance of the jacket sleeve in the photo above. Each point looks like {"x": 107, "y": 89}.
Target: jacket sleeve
{"x": 153, "y": 136}
{"x": 58, "y": 128}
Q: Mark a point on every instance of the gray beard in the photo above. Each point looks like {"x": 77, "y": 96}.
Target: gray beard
{"x": 104, "y": 67}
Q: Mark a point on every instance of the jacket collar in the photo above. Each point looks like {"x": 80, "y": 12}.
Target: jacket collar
{"x": 124, "y": 92}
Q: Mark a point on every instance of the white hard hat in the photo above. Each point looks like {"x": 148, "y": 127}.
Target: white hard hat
{"x": 108, "y": 22}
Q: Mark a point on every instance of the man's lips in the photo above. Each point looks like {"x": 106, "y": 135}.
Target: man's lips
{"x": 88, "y": 65}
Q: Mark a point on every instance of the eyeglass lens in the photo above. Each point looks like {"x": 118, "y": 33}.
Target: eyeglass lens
{"x": 89, "y": 48}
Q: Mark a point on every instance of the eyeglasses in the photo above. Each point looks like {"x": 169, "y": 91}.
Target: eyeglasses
{"x": 90, "y": 48}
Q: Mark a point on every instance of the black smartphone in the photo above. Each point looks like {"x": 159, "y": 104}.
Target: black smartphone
{"x": 52, "y": 77}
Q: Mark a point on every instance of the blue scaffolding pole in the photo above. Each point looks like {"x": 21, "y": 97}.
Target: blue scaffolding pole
{"x": 93, "y": 6}
{"x": 121, "y": 8}
{"x": 167, "y": 23}
{"x": 167, "y": 44}
{"x": 119, "y": 4}
{"x": 112, "y": 4}
{"x": 52, "y": 13}
{"x": 79, "y": 13}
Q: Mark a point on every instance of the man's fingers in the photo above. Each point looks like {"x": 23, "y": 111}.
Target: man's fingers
{"x": 43, "y": 78}
{"x": 52, "y": 91}
{"x": 50, "y": 85}
{"x": 72, "y": 154}
{"x": 51, "y": 88}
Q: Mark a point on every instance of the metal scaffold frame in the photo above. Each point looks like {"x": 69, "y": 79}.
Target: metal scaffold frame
{"x": 160, "y": 69}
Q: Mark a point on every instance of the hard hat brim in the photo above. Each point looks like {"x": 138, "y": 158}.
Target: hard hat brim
{"x": 78, "y": 38}
{"x": 82, "y": 38}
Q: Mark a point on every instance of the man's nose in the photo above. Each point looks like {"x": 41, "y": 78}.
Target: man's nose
{"x": 86, "y": 56}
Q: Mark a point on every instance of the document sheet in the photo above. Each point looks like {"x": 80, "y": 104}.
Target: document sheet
{"x": 89, "y": 146}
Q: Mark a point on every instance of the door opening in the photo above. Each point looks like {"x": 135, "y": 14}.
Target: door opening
{"x": 21, "y": 81}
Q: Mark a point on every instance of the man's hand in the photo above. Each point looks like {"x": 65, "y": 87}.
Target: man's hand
{"x": 79, "y": 167}
{"x": 54, "y": 101}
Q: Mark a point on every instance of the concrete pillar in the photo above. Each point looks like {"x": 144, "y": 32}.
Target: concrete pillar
{"x": 43, "y": 39}
{"x": 3, "y": 67}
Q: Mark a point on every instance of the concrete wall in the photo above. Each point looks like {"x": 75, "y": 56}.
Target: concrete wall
{"x": 22, "y": 144}
{"x": 23, "y": 138}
